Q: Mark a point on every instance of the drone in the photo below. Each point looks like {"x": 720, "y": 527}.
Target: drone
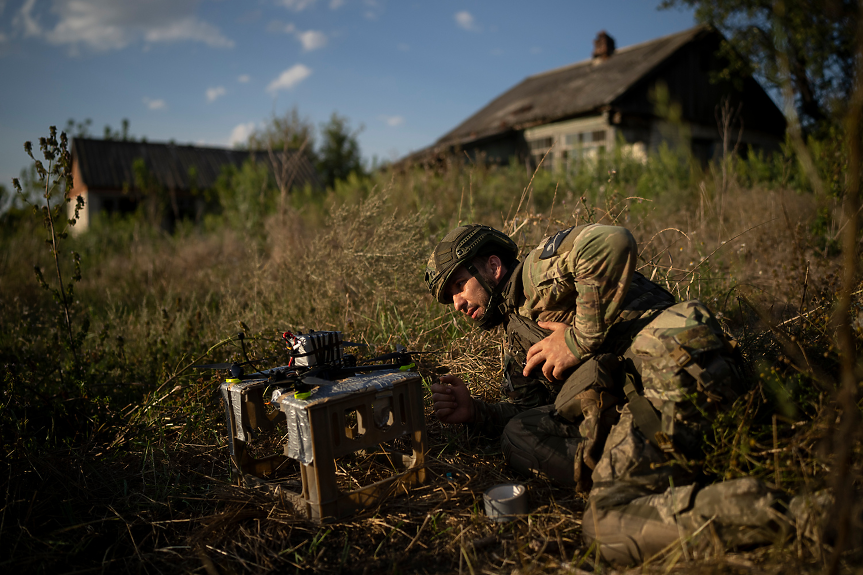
{"x": 315, "y": 358}
{"x": 329, "y": 404}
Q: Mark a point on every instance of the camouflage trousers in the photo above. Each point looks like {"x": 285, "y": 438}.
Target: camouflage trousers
{"x": 727, "y": 514}
{"x": 643, "y": 494}
{"x": 640, "y": 502}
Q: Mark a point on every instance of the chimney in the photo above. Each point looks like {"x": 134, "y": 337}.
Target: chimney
{"x": 603, "y": 47}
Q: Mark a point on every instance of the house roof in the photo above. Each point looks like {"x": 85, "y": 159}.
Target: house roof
{"x": 108, "y": 164}
{"x": 569, "y": 91}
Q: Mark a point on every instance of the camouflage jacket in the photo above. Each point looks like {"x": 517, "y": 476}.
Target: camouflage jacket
{"x": 585, "y": 277}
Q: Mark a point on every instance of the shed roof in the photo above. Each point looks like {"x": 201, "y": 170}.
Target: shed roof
{"x": 108, "y": 164}
{"x": 571, "y": 90}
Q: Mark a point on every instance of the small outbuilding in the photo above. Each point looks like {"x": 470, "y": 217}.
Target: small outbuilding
{"x": 110, "y": 174}
{"x": 620, "y": 96}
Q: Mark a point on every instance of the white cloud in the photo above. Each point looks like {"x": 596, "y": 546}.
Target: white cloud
{"x": 189, "y": 29}
{"x": 296, "y": 5}
{"x": 392, "y": 121}
{"x": 157, "y": 104}
{"x": 215, "y": 93}
{"x": 240, "y": 134}
{"x": 25, "y": 19}
{"x": 243, "y": 78}
{"x": 336, "y": 4}
{"x": 464, "y": 19}
{"x": 288, "y": 79}
{"x": 112, "y": 25}
{"x": 312, "y": 40}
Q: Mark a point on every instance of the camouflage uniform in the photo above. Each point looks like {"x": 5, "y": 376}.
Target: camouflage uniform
{"x": 585, "y": 277}
{"x": 625, "y": 425}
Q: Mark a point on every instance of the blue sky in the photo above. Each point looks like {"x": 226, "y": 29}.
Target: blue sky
{"x": 208, "y": 71}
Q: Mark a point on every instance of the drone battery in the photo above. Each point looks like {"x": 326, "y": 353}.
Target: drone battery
{"x": 317, "y": 348}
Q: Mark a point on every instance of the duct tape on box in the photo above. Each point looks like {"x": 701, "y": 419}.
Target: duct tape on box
{"x": 299, "y": 444}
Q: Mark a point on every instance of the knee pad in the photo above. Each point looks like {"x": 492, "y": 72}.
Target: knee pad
{"x": 517, "y": 454}
{"x": 627, "y": 535}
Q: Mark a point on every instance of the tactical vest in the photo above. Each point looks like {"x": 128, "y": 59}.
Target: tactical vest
{"x": 643, "y": 300}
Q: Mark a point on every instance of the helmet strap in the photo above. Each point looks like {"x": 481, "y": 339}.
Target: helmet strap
{"x": 493, "y": 314}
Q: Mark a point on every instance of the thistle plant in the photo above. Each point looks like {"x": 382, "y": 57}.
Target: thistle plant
{"x": 55, "y": 180}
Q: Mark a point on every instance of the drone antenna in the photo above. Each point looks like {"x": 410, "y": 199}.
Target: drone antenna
{"x": 242, "y": 337}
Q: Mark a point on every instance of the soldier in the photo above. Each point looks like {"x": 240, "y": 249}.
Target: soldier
{"x": 609, "y": 384}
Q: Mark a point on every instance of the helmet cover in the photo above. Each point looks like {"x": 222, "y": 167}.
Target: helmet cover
{"x": 461, "y": 246}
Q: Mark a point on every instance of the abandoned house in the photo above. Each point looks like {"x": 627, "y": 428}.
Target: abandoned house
{"x": 104, "y": 174}
{"x": 585, "y": 108}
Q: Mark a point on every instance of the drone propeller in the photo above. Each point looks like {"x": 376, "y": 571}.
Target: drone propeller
{"x": 216, "y": 366}
{"x": 236, "y": 368}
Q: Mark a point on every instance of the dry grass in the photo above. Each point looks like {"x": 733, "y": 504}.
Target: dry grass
{"x": 119, "y": 488}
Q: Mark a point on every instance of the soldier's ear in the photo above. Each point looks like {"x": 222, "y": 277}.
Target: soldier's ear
{"x": 495, "y": 267}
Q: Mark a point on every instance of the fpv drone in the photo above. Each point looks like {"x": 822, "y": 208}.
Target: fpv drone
{"x": 330, "y": 405}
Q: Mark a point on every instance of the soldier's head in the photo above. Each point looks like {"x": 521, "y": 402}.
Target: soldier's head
{"x": 468, "y": 268}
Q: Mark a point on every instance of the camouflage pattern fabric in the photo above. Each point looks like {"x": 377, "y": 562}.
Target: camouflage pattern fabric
{"x": 644, "y": 493}
{"x": 687, "y": 327}
{"x": 631, "y": 466}
{"x": 731, "y": 513}
{"x": 542, "y": 441}
{"x": 537, "y": 442}
{"x": 589, "y": 282}
{"x": 583, "y": 284}
{"x": 688, "y": 371}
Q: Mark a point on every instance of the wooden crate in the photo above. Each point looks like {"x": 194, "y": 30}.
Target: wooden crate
{"x": 340, "y": 418}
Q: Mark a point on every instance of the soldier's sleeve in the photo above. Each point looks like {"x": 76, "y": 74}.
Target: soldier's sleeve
{"x": 519, "y": 393}
{"x": 491, "y": 418}
{"x": 603, "y": 262}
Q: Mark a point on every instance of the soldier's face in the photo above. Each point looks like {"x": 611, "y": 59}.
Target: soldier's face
{"x": 468, "y": 296}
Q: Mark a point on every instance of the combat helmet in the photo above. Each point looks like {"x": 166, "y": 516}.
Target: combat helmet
{"x": 460, "y": 247}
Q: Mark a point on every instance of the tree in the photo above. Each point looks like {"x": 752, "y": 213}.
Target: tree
{"x": 805, "y": 45}
{"x": 247, "y": 194}
{"x": 339, "y": 153}
{"x": 337, "y": 157}
{"x": 75, "y": 129}
{"x": 287, "y": 139}
{"x": 289, "y": 131}
{"x": 122, "y": 134}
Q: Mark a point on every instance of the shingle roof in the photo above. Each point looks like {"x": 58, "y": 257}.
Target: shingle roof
{"x": 107, "y": 164}
{"x": 570, "y": 90}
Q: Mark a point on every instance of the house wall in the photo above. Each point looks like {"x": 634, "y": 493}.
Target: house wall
{"x": 79, "y": 188}
{"x": 584, "y": 139}
{"x": 570, "y": 141}
{"x": 686, "y": 83}
{"x": 497, "y": 151}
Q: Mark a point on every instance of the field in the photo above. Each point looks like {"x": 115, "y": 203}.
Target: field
{"x": 114, "y": 453}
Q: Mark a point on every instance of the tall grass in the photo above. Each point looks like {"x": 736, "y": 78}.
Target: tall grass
{"x": 127, "y": 468}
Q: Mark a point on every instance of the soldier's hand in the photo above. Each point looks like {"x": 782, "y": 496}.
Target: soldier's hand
{"x": 452, "y": 401}
{"x": 552, "y": 353}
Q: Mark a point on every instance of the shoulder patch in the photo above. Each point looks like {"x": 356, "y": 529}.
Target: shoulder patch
{"x": 553, "y": 243}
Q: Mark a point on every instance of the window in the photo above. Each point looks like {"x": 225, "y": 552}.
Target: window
{"x": 541, "y": 144}
{"x": 538, "y": 149}
{"x": 585, "y": 144}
